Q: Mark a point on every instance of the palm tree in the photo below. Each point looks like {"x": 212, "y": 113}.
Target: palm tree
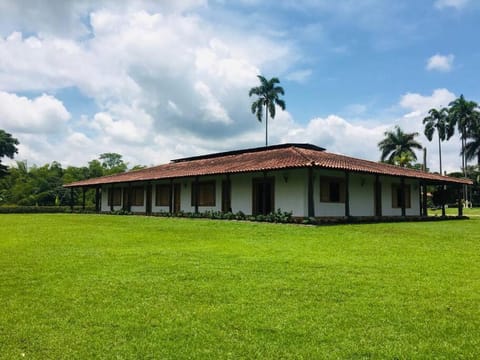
{"x": 438, "y": 120}
{"x": 268, "y": 95}
{"x": 463, "y": 114}
{"x": 405, "y": 159}
{"x": 472, "y": 147}
{"x": 396, "y": 143}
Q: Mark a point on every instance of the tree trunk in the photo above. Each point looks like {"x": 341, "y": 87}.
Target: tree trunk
{"x": 440, "y": 153}
{"x": 266, "y": 124}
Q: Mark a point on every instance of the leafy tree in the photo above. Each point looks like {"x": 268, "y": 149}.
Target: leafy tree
{"x": 437, "y": 120}
{"x": 464, "y": 115}
{"x": 268, "y": 95}
{"x": 8, "y": 148}
{"x": 95, "y": 169}
{"x": 396, "y": 143}
{"x": 404, "y": 159}
{"x": 113, "y": 163}
{"x": 472, "y": 147}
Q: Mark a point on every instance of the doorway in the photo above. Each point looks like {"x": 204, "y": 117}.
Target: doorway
{"x": 263, "y": 196}
{"x": 176, "y": 198}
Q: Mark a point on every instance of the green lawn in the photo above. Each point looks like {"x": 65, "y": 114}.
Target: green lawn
{"x": 125, "y": 287}
{"x": 474, "y": 212}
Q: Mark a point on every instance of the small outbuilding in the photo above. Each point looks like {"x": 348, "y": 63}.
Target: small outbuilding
{"x": 300, "y": 178}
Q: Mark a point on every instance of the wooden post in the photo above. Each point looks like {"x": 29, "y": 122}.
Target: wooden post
{"x": 378, "y": 196}
{"x": 170, "y": 198}
{"x": 129, "y": 197}
{"x": 460, "y": 205}
{"x": 424, "y": 199}
{"x": 83, "y": 198}
{"x": 347, "y": 194}
{"x": 311, "y": 204}
{"x": 111, "y": 197}
{"x": 444, "y": 198}
{"x": 196, "y": 186}
{"x": 402, "y": 195}
{"x": 97, "y": 199}
{"x": 71, "y": 199}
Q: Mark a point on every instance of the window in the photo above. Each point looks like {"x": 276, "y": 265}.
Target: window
{"x": 138, "y": 194}
{"x": 332, "y": 190}
{"x": 206, "y": 193}
{"x": 114, "y": 197}
{"x": 397, "y": 199}
{"x": 162, "y": 195}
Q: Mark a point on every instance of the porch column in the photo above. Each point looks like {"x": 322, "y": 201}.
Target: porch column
{"x": 444, "y": 198}
{"x": 97, "y": 199}
{"x": 402, "y": 195}
{"x": 347, "y": 194}
{"x": 170, "y": 198}
{"x": 460, "y": 205}
{"x": 264, "y": 194}
{"x": 311, "y": 204}
{"x": 129, "y": 197}
{"x": 378, "y": 196}
{"x": 110, "y": 195}
{"x": 71, "y": 199}
{"x": 83, "y": 198}
{"x": 424, "y": 199}
{"x": 196, "y": 194}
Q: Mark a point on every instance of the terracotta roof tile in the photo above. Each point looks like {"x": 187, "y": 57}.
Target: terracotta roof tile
{"x": 264, "y": 159}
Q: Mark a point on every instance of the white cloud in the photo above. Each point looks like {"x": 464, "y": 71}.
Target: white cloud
{"x": 458, "y": 4}
{"x": 439, "y": 62}
{"x": 419, "y": 105}
{"x": 299, "y": 76}
{"x": 44, "y": 113}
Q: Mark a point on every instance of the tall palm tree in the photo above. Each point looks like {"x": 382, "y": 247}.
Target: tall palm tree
{"x": 472, "y": 147}
{"x": 268, "y": 95}
{"x": 396, "y": 143}
{"x": 438, "y": 120}
{"x": 463, "y": 114}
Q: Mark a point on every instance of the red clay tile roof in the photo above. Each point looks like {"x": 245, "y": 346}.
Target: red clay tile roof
{"x": 264, "y": 159}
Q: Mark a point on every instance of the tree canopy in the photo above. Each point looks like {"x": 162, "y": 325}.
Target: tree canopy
{"x": 8, "y": 148}
{"x": 398, "y": 144}
{"x": 268, "y": 95}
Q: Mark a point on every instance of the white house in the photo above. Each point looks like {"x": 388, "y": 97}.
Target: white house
{"x": 300, "y": 178}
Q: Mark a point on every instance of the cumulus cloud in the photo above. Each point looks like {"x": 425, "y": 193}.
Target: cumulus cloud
{"x": 439, "y": 62}
{"x": 457, "y": 4}
{"x": 43, "y": 114}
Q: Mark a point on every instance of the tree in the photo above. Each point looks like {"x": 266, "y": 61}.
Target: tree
{"x": 267, "y": 96}
{"x": 438, "y": 121}
{"x": 8, "y": 148}
{"x": 464, "y": 115}
{"x": 113, "y": 163}
{"x": 404, "y": 159}
{"x": 472, "y": 147}
{"x": 398, "y": 144}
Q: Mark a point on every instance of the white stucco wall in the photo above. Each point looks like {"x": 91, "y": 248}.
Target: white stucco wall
{"x": 290, "y": 191}
{"x": 326, "y": 208}
{"x": 362, "y": 195}
{"x": 387, "y": 209}
{"x": 241, "y": 194}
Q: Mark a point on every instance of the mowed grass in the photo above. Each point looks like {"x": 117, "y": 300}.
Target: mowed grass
{"x": 125, "y": 287}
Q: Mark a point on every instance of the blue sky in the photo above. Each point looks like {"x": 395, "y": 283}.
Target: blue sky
{"x": 157, "y": 80}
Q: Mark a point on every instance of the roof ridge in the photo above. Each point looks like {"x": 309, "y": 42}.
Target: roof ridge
{"x": 309, "y": 160}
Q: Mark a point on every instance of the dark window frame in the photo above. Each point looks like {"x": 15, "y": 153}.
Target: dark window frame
{"x": 207, "y": 193}
{"x": 115, "y": 197}
{"x": 138, "y": 196}
{"x": 162, "y": 194}
{"x": 332, "y": 189}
